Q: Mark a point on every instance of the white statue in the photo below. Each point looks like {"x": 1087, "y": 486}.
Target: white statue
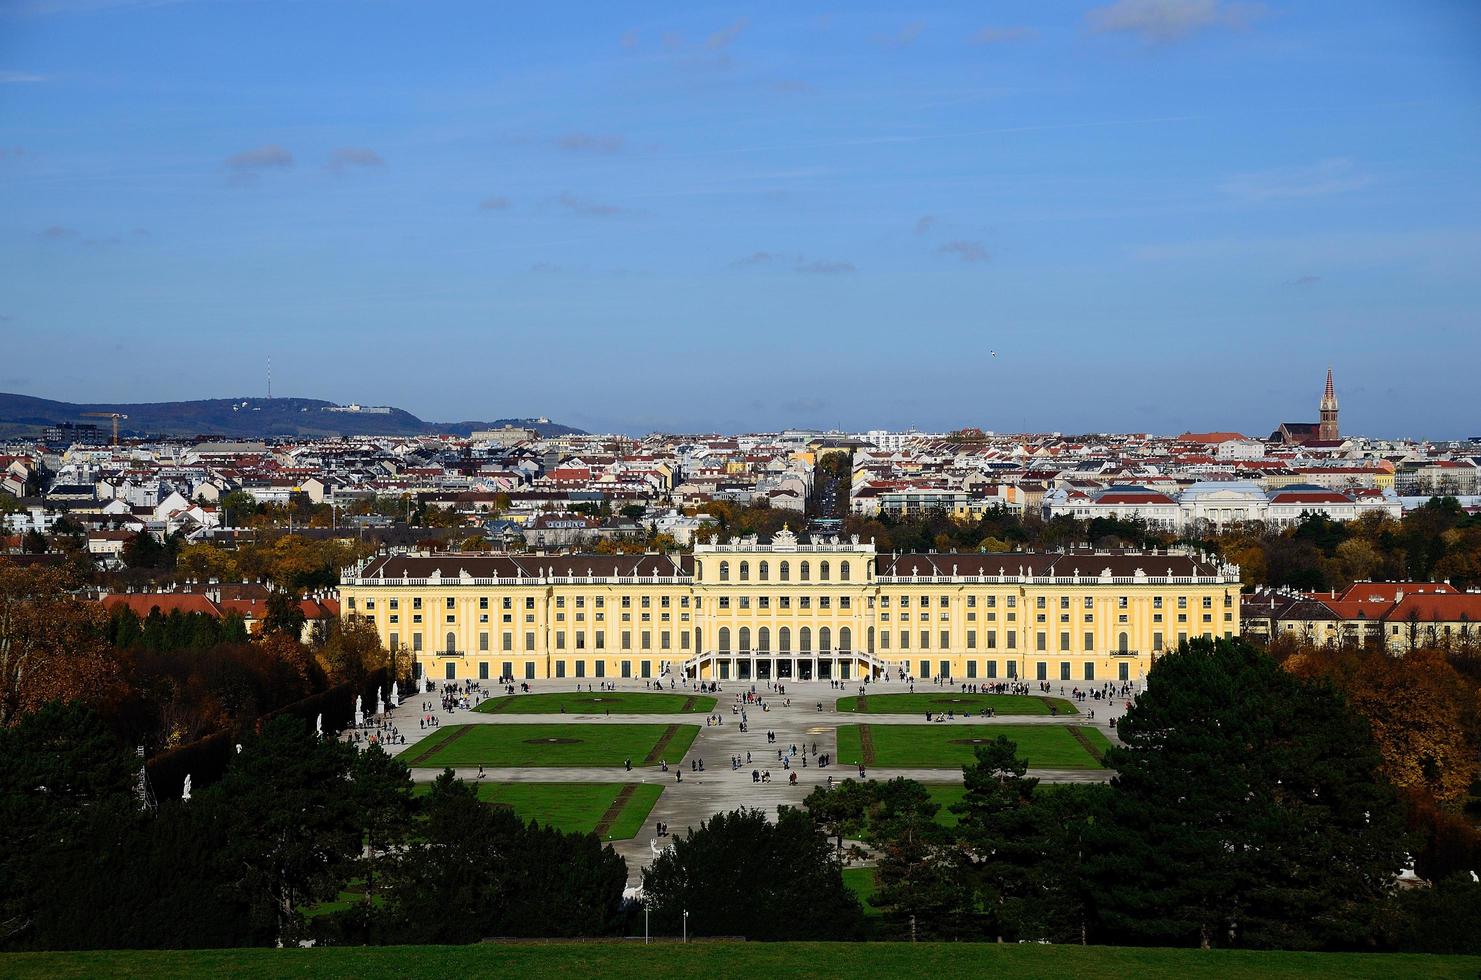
{"x": 185, "y": 795}
{"x": 380, "y": 702}
{"x": 239, "y": 748}
{"x": 319, "y": 725}
{"x": 426, "y": 684}
{"x": 359, "y": 710}
{"x": 395, "y": 695}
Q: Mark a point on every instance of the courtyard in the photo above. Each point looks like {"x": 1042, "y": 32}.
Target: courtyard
{"x": 567, "y": 769}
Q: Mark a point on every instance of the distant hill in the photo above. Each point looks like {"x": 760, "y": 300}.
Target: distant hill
{"x": 244, "y": 418}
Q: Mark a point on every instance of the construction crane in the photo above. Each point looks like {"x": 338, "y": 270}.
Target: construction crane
{"x": 115, "y": 416}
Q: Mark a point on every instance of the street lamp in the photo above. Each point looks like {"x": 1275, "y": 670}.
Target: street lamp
{"x": 686, "y": 925}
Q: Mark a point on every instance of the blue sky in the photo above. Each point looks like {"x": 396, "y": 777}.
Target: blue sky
{"x": 1161, "y": 214}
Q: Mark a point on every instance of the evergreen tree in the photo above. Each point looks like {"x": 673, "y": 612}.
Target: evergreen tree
{"x": 66, "y": 786}
{"x": 1002, "y": 834}
{"x": 918, "y": 873}
{"x": 381, "y": 784}
{"x": 739, "y": 874}
{"x": 1248, "y": 810}
{"x": 294, "y": 832}
{"x": 479, "y": 871}
{"x": 284, "y": 614}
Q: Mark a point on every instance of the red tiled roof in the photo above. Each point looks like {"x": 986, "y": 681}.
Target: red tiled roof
{"x": 142, "y": 603}
{"x": 1437, "y": 609}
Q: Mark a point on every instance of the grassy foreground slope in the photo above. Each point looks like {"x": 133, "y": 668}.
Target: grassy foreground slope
{"x": 619, "y": 960}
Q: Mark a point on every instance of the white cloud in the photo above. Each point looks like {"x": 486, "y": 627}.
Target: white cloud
{"x": 20, "y": 78}
{"x": 268, "y": 157}
{"x": 966, "y": 251}
{"x": 1170, "y": 20}
{"x": 353, "y": 157}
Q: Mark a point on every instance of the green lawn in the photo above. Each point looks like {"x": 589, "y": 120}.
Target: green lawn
{"x": 861, "y": 882}
{"x": 573, "y": 807}
{"x": 548, "y": 745}
{"x": 618, "y": 960}
{"x": 945, "y": 795}
{"x": 947, "y": 700}
{"x": 598, "y": 703}
{"x": 950, "y": 746}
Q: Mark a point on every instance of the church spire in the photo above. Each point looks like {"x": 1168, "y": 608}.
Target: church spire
{"x": 1327, "y": 429}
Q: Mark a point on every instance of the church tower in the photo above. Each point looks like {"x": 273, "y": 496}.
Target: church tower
{"x": 1327, "y": 430}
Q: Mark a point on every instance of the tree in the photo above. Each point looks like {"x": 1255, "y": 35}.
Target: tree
{"x": 64, "y": 776}
{"x": 793, "y": 885}
{"x": 284, "y": 614}
{"x": 294, "y": 833}
{"x": 840, "y": 810}
{"x": 52, "y": 643}
{"x": 238, "y": 506}
{"x": 381, "y": 785}
{"x": 1248, "y": 810}
{"x": 478, "y": 871}
{"x": 143, "y": 550}
{"x": 1424, "y": 716}
{"x": 1442, "y": 919}
{"x": 33, "y": 542}
{"x": 918, "y": 873}
{"x": 1002, "y": 836}
{"x": 351, "y": 651}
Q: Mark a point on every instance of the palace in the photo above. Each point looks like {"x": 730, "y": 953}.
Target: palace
{"x": 831, "y": 609}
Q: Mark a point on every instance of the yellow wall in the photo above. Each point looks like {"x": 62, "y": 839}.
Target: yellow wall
{"x": 553, "y": 626}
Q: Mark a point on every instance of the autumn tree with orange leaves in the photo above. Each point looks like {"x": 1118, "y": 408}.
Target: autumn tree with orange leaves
{"x": 1424, "y": 714}
{"x": 53, "y": 644}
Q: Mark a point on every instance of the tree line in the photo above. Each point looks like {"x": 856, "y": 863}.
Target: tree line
{"x": 1251, "y": 808}
{"x": 297, "y": 821}
{"x": 163, "y": 680}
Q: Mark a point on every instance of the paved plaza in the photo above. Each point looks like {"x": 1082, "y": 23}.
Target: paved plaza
{"x": 793, "y": 716}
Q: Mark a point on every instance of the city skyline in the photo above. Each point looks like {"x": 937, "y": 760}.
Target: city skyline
{"x": 1144, "y": 215}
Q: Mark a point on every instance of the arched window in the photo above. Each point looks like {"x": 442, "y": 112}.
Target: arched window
{"x": 822, "y": 571}
{"x": 762, "y": 572}
{"x": 745, "y": 570}
{"x": 784, "y": 640}
{"x": 845, "y": 639}
{"x": 1122, "y": 641}
{"x": 452, "y": 642}
{"x": 825, "y": 640}
{"x": 805, "y": 573}
{"x": 725, "y": 571}
{"x": 745, "y": 639}
{"x": 804, "y": 640}
{"x": 725, "y": 639}
{"x": 786, "y": 571}
{"x": 871, "y": 639}
{"x": 843, "y": 571}
{"x": 763, "y": 640}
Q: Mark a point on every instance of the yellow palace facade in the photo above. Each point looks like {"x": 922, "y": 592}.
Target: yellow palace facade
{"x": 787, "y": 610}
